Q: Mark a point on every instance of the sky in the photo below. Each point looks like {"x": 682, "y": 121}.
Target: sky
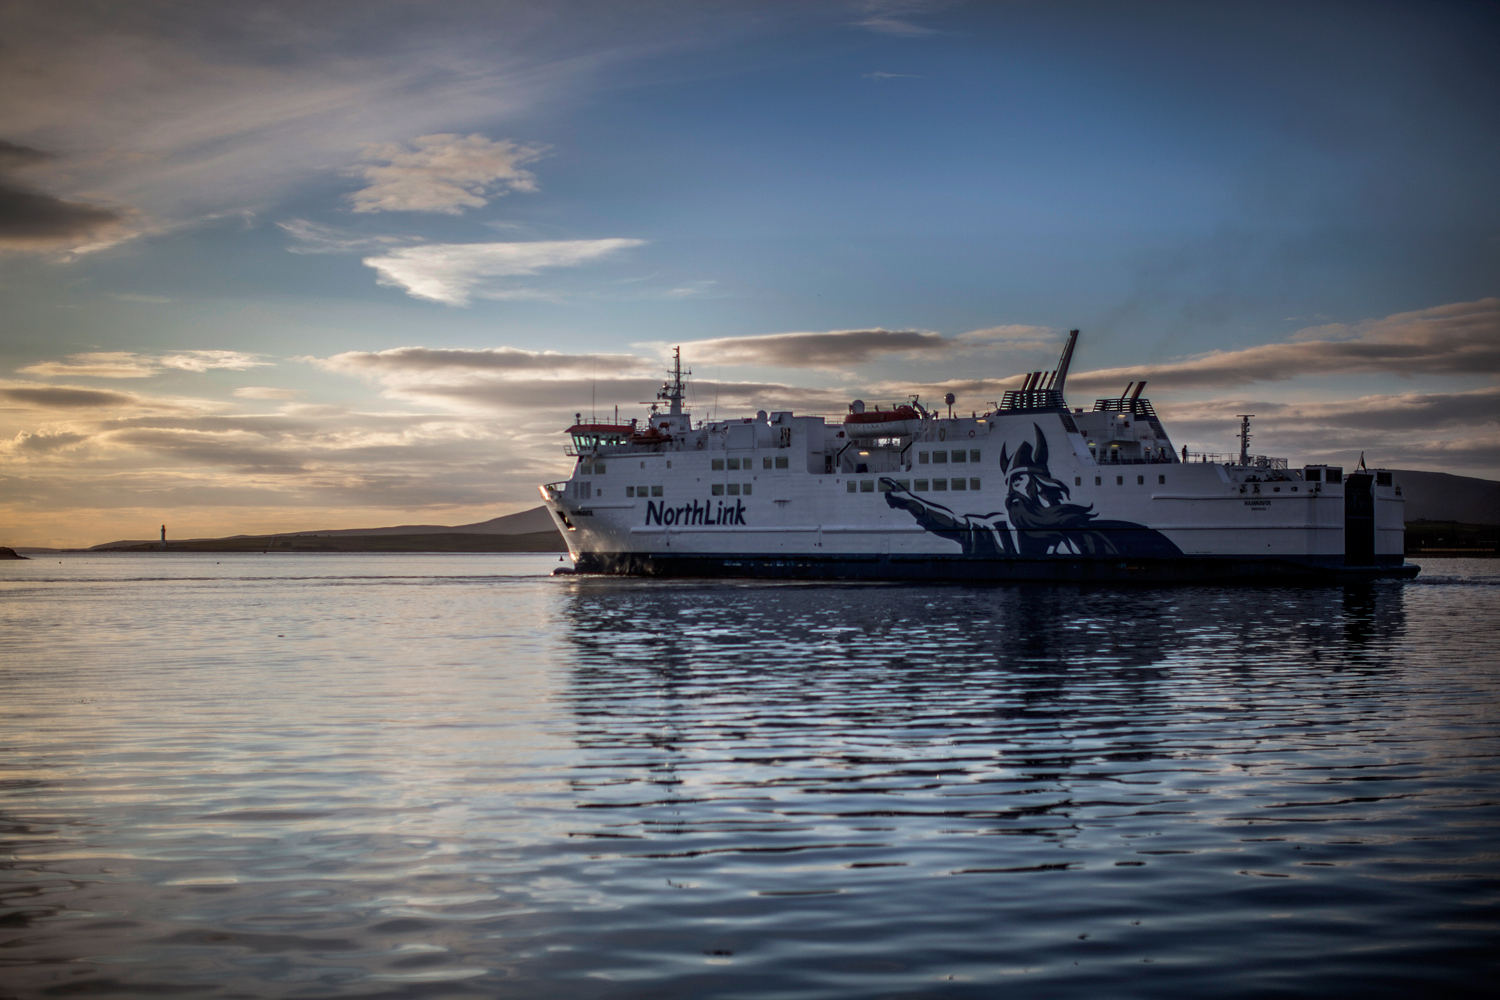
{"x": 277, "y": 266}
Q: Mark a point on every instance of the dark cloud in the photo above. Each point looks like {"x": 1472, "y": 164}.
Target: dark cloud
{"x": 64, "y": 398}
{"x": 835, "y": 348}
{"x": 1461, "y": 338}
{"x": 32, "y": 219}
{"x": 434, "y": 359}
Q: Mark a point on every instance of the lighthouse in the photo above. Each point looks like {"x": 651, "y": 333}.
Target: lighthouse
{"x": 164, "y": 537}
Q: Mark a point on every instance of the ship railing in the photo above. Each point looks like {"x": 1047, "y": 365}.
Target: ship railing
{"x": 1167, "y": 459}
{"x": 1219, "y": 458}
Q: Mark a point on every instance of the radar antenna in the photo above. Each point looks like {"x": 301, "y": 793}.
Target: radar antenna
{"x": 1244, "y": 437}
{"x": 672, "y": 391}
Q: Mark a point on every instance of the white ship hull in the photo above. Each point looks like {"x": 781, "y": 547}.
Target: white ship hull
{"x": 1039, "y": 493}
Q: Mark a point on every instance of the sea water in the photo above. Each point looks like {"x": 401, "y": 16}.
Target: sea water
{"x": 435, "y": 776}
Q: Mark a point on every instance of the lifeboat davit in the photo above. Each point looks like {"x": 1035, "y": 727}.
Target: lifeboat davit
{"x": 903, "y": 421}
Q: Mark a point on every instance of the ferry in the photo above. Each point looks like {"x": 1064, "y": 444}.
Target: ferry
{"x": 1029, "y": 489}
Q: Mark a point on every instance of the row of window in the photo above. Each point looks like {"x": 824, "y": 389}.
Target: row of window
{"x": 919, "y": 485}
{"x": 767, "y": 462}
{"x": 640, "y": 491}
{"x": 939, "y": 457}
{"x": 586, "y": 469}
{"x": 735, "y": 489}
{"x": 1120, "y": 480}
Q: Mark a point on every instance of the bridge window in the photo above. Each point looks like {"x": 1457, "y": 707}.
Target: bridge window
{"x": 718, "y": 465}
{"x": 1313, "y": 475}
{"x": 718, "y": 489}
{"x": 1382, "y": 479}
{"x": 782, "y": 462}
{"x": 939, "y": 484}
{"x": 921, "y": 486}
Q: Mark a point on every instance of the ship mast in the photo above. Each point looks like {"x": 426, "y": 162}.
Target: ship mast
{"x": 672, "y": 392}
{"x": 1244, "y": 437}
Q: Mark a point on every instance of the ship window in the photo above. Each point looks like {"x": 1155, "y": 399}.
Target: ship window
{"x": 939, "y": 457}
{"x": 867, "y": 486}
{"x": 940, "y": 484}
{"x": 1335, "y": 474}
{"x": 852, "y": 487}
{"x": 782, "y": 462}
{"x": 765, "y": 463}
{"x": 1140, "y": 480}
{"x": 1098, "y": 480}
{"x": 921, "y": 458}
{"x": 884, "y": 486}
{"x": 734, "y": 489}
{"x": 1313, "y": 475}
{"x": 959, "y": 454}
{"x": 974, "y": 455}
{"x": 959, "y": 484}
{"x": 973, "y": 484}
{"x": 718, "y": 489}
{"x": 583, "y": 470}
{"x": 1077, "y": 480}
{"x": 734, "y": 463}
{"x": 640, "y": 491}
{"x": 718, "y": 465}
{"x": 656, "y": 491}
{"x": 1119, "y": 480}
{"x": 1382, "y": 479}
{"x": 599, "y": 468}
{"x": 747, "y": 489}
{"x": 905, "y": 484}
{"x": 630, "y": 491}
{"x": 1161, "y": 480}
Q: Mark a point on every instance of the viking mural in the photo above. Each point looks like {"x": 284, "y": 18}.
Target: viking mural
{"x": 1039, "y": 519}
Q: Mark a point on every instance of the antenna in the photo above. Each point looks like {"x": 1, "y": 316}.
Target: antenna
{"x": 672, "y": 391}
{"x": 1244, "y": 437}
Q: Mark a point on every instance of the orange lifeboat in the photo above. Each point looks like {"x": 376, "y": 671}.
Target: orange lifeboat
{"x": 902, "y": 421}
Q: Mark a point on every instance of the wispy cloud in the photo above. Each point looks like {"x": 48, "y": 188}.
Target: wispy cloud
{"x": 265, "y": 392}
{"x": 882, "y": 75}
{"x": 501, "y": 360}
{"x": 312, "y": 237}
{"x": 443, "y": 173}
{"x": 891, "y": 17}
{"x": 454, "y": 273}
{"x": 127, "y": 364}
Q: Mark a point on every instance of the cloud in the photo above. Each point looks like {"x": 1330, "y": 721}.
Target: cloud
{"x": 265, "y": 392}
{"x": 31, "y": 219}
{"x": 125, "y": 364}
{"x": 443, "y": 173}
{"x": 1462, "y": 338}
{"x": 496, "y": 360}
{"x": 314, "y": 238}
{"x": 202, "y": 361}
{"x": 59, "y": 397}
{"x": 95, "y": 364}
{"x": 888, "y": 17}
{"x": 881, "y": 75}
{"x": 452, "y": 273}
{"x": 835, "y": 348}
